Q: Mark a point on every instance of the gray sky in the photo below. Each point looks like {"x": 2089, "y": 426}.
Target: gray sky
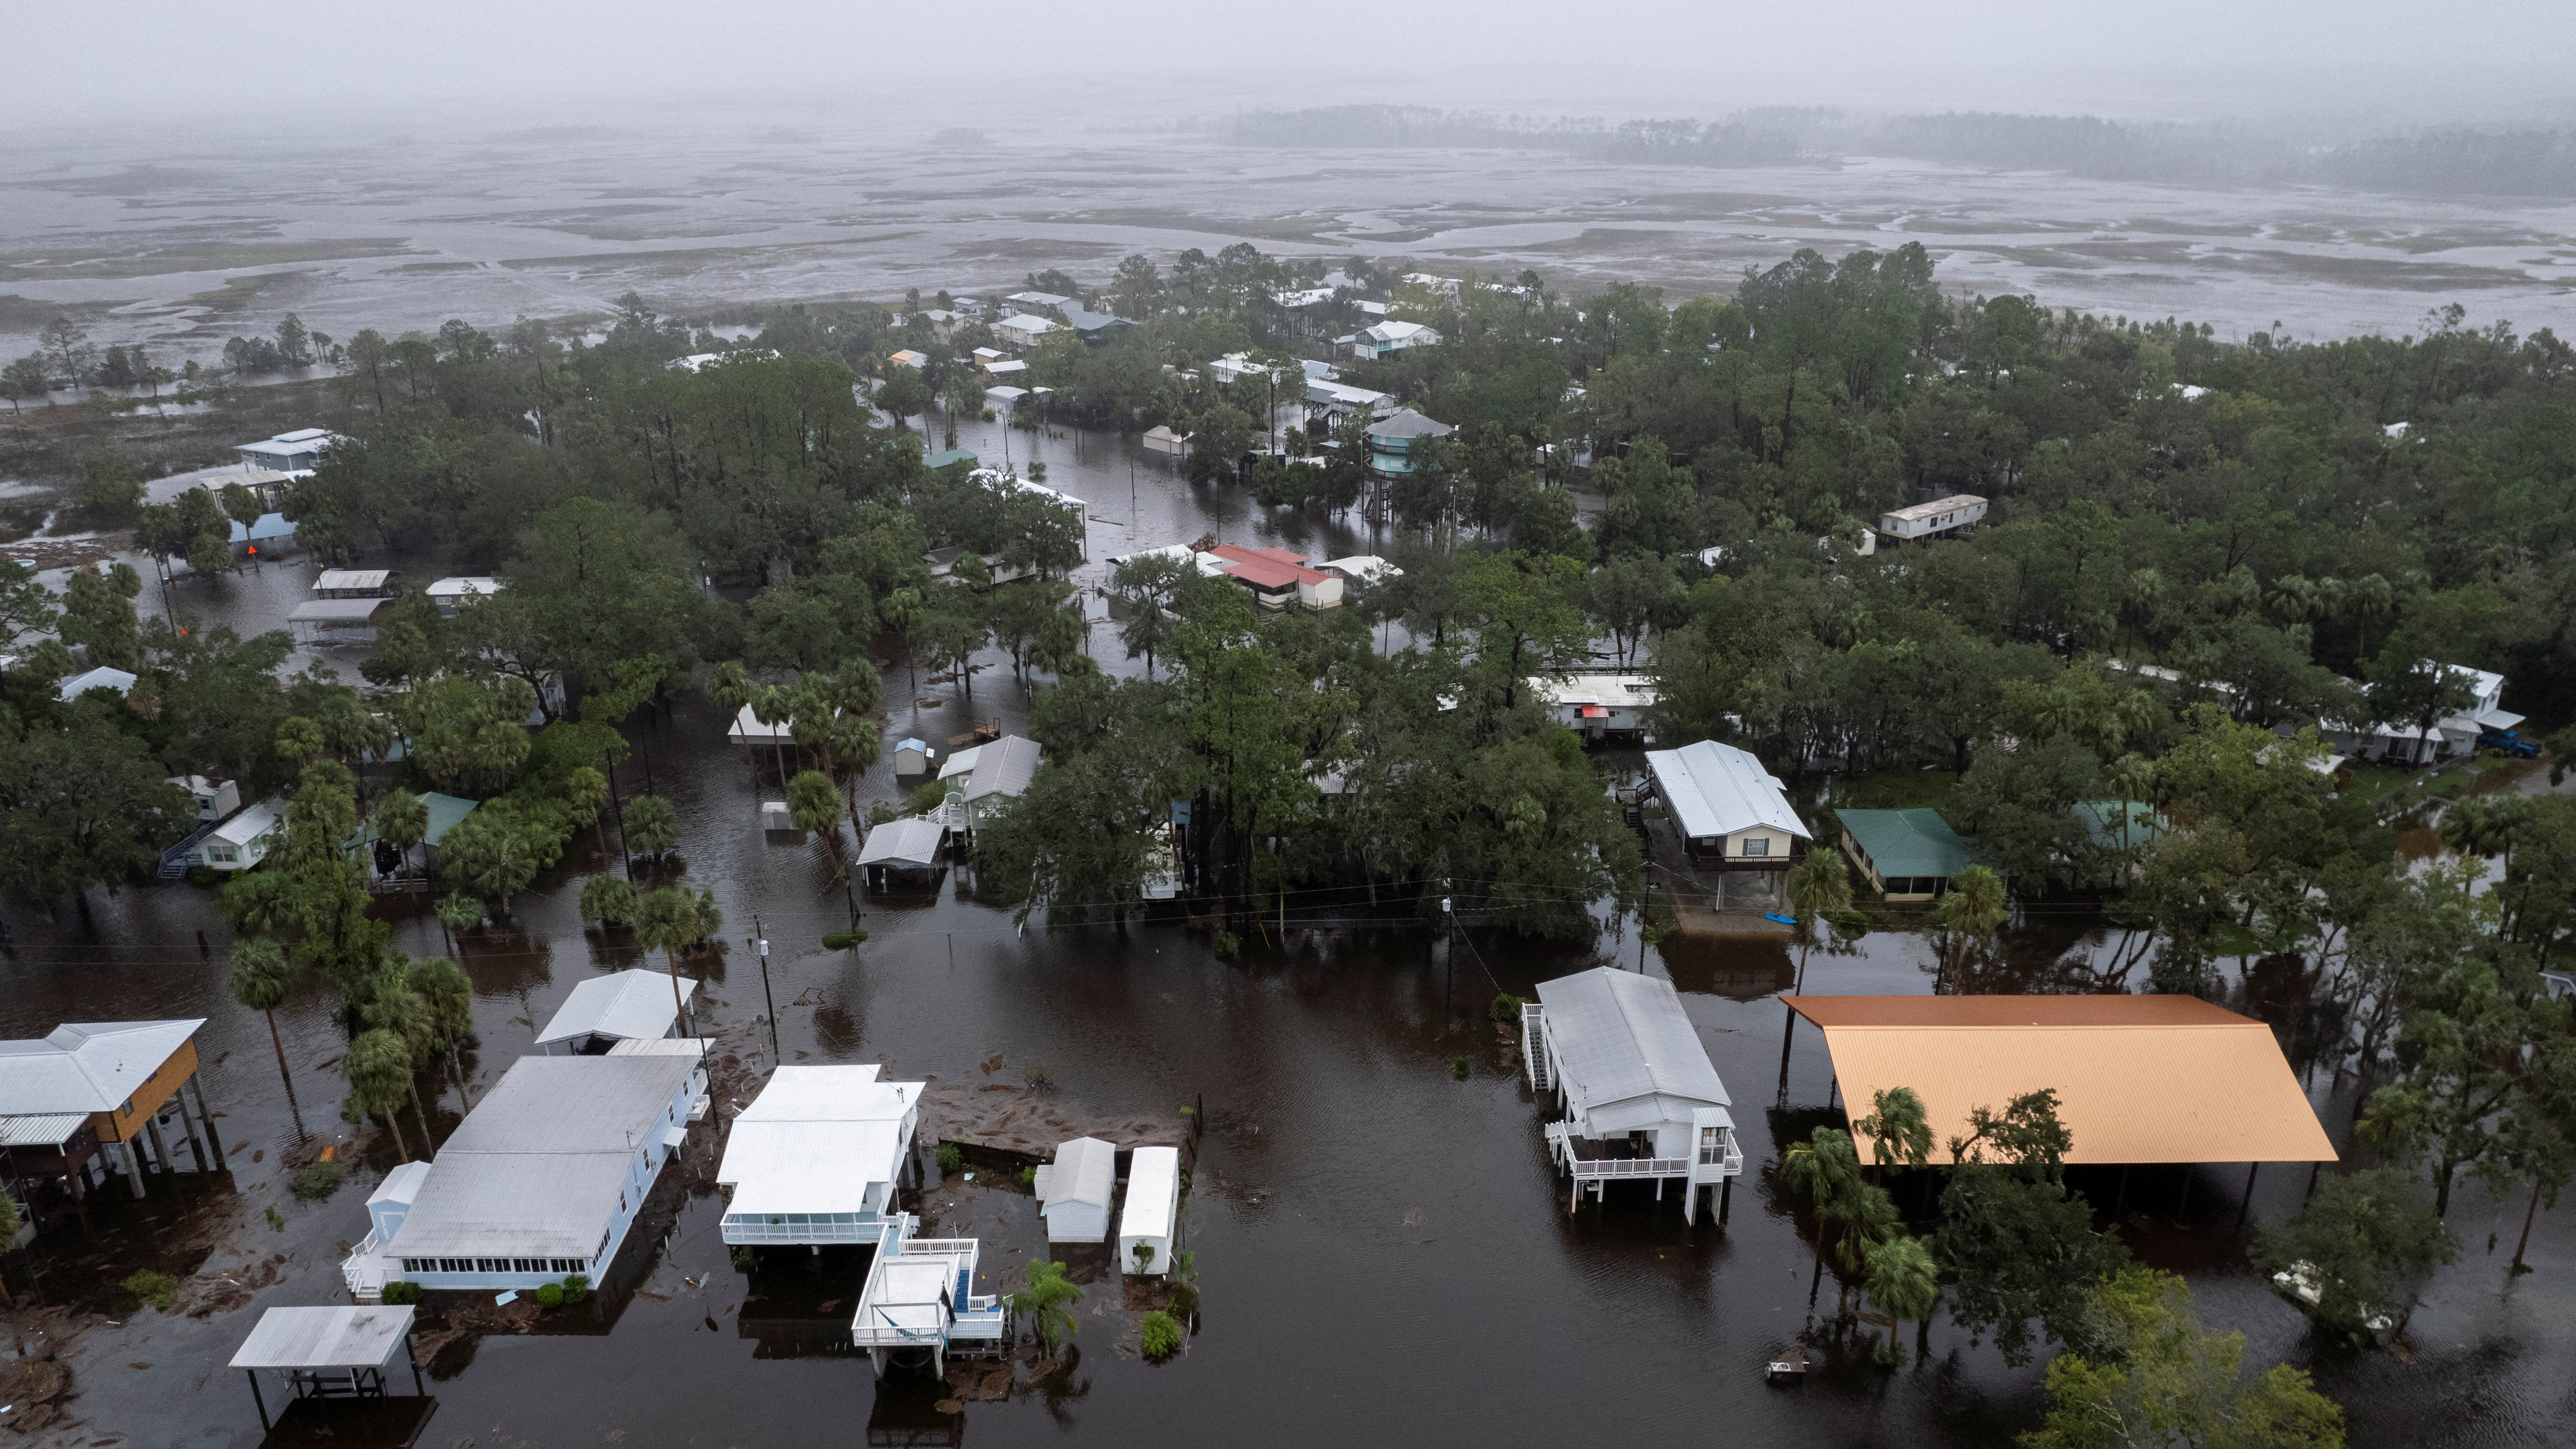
{"x": 2378, "y": 62}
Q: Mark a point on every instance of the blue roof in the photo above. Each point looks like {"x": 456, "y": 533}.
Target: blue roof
{"x": 270, "y": 525}
{"x": 910, "y": 744}
{"x": 947, "y": 456}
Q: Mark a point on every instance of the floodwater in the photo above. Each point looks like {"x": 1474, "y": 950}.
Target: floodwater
{"x": 1384, "y": 1252}
{"x": 406, "y": 225}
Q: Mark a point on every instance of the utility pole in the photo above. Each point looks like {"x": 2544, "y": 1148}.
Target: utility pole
{"x": 623, "y": 855}
{"x": 760, "y": 943}
{"x": 1449, "y": 967}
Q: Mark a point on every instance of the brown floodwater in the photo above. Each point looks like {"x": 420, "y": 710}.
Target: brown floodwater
{"x": 1383, "y": 1250}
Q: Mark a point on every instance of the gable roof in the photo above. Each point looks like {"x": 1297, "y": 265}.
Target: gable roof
{"x": 1620, "y": 1036}
{"x": 911, "y": 844}
{"x": 1715, "y": 789}
{"x": 1003, "y": 767}
{"x": 633, "y": 1003}
{"x": 1914, "y": 842}
{"x": 103, "y": 677}
{"x": 1085, "y": 1171}
{"x": 87, "y": 1066}
{"x": 815, "y": 1139}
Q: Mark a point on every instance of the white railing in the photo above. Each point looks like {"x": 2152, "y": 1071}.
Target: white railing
{"x": 756, "y": 1228}
{"x": 1631, "y": 1167}
{"x": 360, "y": 1270}
{"x": 1533, "y": 1049}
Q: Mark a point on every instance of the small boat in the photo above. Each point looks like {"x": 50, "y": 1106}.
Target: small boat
{"x": 1789, "y": 1368}
{"x": 1776, "y": 916}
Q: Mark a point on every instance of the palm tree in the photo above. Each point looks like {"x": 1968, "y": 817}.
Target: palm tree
{"x": 652, "y": 826}
{"x": 1823, "y": 1170}
{"x": 2132, "y": 777}
{"x": 1898, "y": 1129}
{"x": 262, "y": 980}
{"x": 1045, "y": 1300}
{"x": 458, "y": 913}
{"x": 607, "y": 899}
{"x": 393, "y": 1005}
{"x": 1904, "y": 1283}
{"x": 378, "y": 1067}
{"x": 401, "y": 820}
{"x": 585, "y": 789}
{"x": 1974, "y": 908}
{"x": 814, "y": 803}
{"x": 773, "y": 707}
{"x": 669, "y": 918}
{"x": 1819, "y": 886}
{"x": 730, "y": 689}
{"x": 450, "y": 994}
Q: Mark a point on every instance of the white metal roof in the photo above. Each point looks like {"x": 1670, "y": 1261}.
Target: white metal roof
{"x": 334, "y": 611}
{"x": 324, "y": 1338}
{"x": 1716, "y": 789}
{"x": 249, "y": 825}
{"x": 629, "y": 1003}
{"x": 748, "y": 730}
{"x": 1366, "y": 568}
{"x": 1086, "y": 1171}
{"x": 1613, "y": 691}
{"x": 535, "y": 1170}
{"x": 1037, "y": 299}
{"x": 660, "y": 1046}
{"x": 1153, "y": 1182}
{"x": 464, "y": 585}
{"x": 1921, "y": 511}
{"x": 402, "y": 1185}
{"x": 87, "y": 1066}
{"x": 1409, "y": 424}
{"x": 1023, "y": 322}
{"x": 815, "y": 1140}
{"x": 103, "y": 677}
{"x": 904, "y": 844}
{"x": 352, "y": 579}
{"x": 1003, "y": 767}
{"x": 1622, "y": 1037}
{"x": 47, "y": 1130}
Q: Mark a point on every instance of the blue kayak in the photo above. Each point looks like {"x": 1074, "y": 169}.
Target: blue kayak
{"x": 1776, "y": 916}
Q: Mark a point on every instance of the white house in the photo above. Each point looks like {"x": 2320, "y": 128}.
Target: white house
{"x": 1597, "y": 704}
{"x": 1328, "y": 402}
{"x": 1363, "y": 568}
{"x": 351, "y": 583}
{"x": 1153, "y": 1207}
{"x": 1639, "y": 1097}
{"x": 215, "y": 798}
{"x": 289, "y": 453}
{"x": 1075, "y": 1189}
{"x": 2456, "y": 734}
{"x": 920, "y": 1294}
{"x": 818, "y": 1157}
{"x": 1035, "y": 301}
{"x": 103, "y": 677}
{"x": 1731, "y": 813}
{"x": 1938, "y": 516}
{"x": 246, "y": 839}
{"x": 1389, "y": 338}
{"x": 1161, "y": 439}
{"x": 985, "y": 779}
{"x": 1022, "y": 331}
{"x": 909, "y": 358}
{"x": 450, "y": 594}
{"x": 907, "y": 845}
{"x": 629, "y": 1005}
{"x": 540, "y": 1181}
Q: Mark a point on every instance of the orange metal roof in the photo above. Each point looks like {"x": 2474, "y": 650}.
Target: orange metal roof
{"x": 2138, "y": 1078}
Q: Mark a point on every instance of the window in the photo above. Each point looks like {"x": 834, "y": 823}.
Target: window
{"x": 1712, "y": 1146}
{"x": 1757, "y": 845}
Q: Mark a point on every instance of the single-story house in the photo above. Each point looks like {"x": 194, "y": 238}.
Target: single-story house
{"x": 1091, "y": 326}
{"x": 442, "y": 814}
{"x": 1148, "y": 1224}
{"x": 1005, "y": 399}
{"x": 1363, "y": 568}
{"x": 1074, "y": 1191}
{"x": 1011, "y": 371}
{"x": 1036, "y": 301}
{"x": 983, "y": 780}
{"x": 245, "y": 840}
{"x": 450, "y": 594}
{"x": 325, "y": 622}
{"x": 629, "y": 1005}
{"x": 1597, "y": 704}
{"x": 1908, "y": 855}
{"x": 1923, "y": 520}
{"x": 264, "y": 537}
{"x": 989, "y": 356}
{"x": 540, "y": 1181}
{"x": 1730, "y": 812}
{"x": 103, "y": 677}
{"x": 909, "y": 358}
{"x": 1161, "y": 439}
{"x": 1278, "y": 577}
{"x": 1388, "y": 338}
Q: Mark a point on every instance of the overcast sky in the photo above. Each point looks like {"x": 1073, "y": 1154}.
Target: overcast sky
{"x": 2372, "y": 60}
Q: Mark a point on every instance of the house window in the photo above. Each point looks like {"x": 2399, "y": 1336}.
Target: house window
{"x": 1757, "y": 845}
{"x": 1712, "y": 1146}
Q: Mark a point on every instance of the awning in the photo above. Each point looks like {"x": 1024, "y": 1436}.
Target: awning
{"x": 2138, "y": 1078}
{"x": 1594, "y": 711}
{"x": 324, "y": 1338}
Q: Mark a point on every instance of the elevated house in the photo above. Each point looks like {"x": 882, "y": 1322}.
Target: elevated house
{"x": 919, "y": 1297}
{"x": 117, "y": 1087}
{"x": 291, "y": 453}
{"x": 819, "y": 1156}
{"x": 214, "y": 799}
{"x": 1391, "y": 443}
{"x": 1387, "y": 339}
{"x": 1091, "y": 326}
{"x": 1615, "y": 1053}
{"x": 1022, "y": 330}
{"x": 985, "y": 779}
{"x": 540, "y": 1182}
{"x": 906, "y": 357}
{"x": 1329, "y": 401}
{"x": 629, "y": 1005}
{"x": 245, "y": 840}
{"x": 1035, "y": 301}
{"x": 911, "y": 846}
{"x": 1730, "y": 812}
{"x": 1598, "y": 705}
{"x": 1907, "y": 855}
{"x": 1074, "y": 1191}
{"x": 1941, "y": 515}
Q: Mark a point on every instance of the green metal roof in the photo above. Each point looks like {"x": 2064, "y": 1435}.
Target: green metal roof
{"x": 947, "y": 456}
{"x": 444, "y": 812}
{"x": 1907, "y": 842}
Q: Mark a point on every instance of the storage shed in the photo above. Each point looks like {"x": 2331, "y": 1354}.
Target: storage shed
{"x": 1075, "y": 1189}
{"x": 1147, "y": 1225}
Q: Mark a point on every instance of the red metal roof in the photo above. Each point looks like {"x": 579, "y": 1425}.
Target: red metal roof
{"x": 1267, "y": 568}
